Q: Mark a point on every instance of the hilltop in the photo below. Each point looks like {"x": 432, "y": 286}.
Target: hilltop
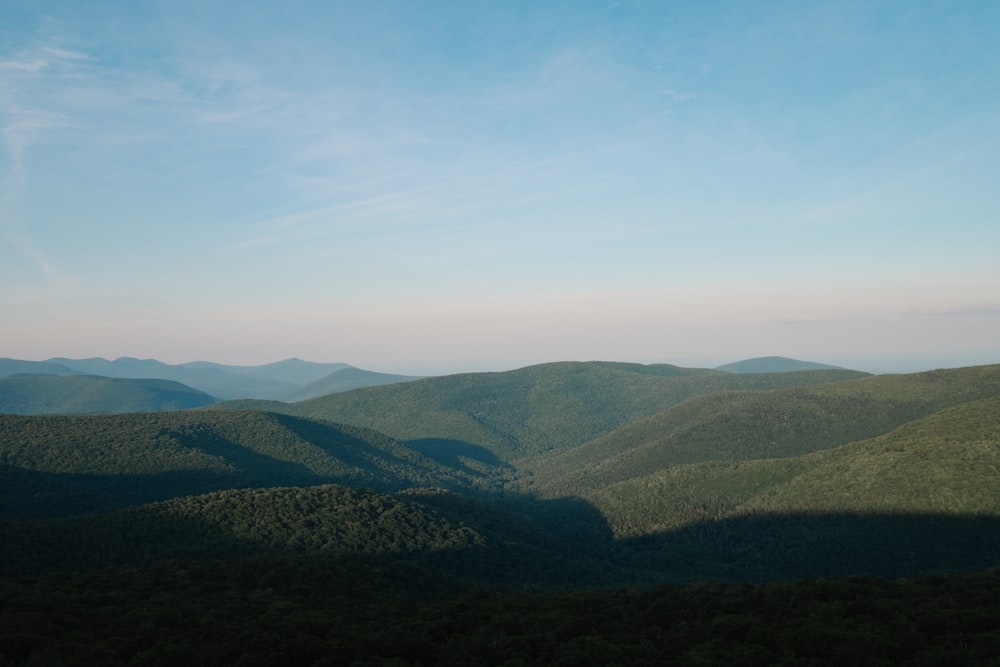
{"x": 773, "y": 365}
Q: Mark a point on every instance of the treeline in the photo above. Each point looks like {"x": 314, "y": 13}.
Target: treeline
{"x": 251, "y": 614}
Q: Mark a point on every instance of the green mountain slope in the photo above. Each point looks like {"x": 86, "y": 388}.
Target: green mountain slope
{"x": 739, "y": 426}
{"x": 531, "y": 410}
{"x": 89, "y": 394}
{"x": 945, "y": 464}
{"x": 152, "y": 456}
{"x": 235, "y": 524}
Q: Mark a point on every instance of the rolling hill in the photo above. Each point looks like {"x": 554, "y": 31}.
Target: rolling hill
{"x": 235, "y": 524}
{"x": 89, "y": 394}
{"x": 508, "y": 415}
{"x": 739, "y": 426}
{"x": 138, "y": 458}
{"x": 228, "y": 536}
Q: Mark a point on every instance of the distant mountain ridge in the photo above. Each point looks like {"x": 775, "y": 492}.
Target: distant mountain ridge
{"x": 774, "y": 365}
{"x": 287, "y": 380}
{"x": 35, "y": 394}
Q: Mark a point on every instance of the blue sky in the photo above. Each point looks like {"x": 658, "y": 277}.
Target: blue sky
{"x": 443, "y": 186}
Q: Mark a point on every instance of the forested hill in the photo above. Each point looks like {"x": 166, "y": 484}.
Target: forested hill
{"x": 91, "y": 394}
{"x": 235, "y": 524}
{"x": 534, "y": 409}
{"x": 133, "y": 458}
{"x": 741, "y": 426}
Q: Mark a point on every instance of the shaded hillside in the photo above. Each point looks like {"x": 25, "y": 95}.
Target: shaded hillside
{"x": 151, "y": 456}
{"x": 774, "y": 365}
{"x": 222, "y": 615}
{"x": 534, "y": 409}
{"x": 28, "y": 495}
{"x": 89, "y": 394}
{"x": 234, "y": 524}
{"x": 740, "y": 426}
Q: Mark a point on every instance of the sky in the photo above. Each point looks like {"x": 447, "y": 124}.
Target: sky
{"x": 435, "y": 186}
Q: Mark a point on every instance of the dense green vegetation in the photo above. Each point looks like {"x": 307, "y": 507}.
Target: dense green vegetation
{"x": 139, "y": 458}
{"x": 531, "y": 410}
{"x": 232, "y": 525}
{"x": 259, "y": 613}
{"x": 742, "y": 426}
{"x": 529, "y": 517}
{"x": 89, "y": 394}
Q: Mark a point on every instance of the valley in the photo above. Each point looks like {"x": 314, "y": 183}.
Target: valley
{"x": 533, "y": 492}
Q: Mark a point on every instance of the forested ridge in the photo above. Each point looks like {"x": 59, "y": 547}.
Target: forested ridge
{"x": 472, "y": 535}
{"x": 35, "y": 394}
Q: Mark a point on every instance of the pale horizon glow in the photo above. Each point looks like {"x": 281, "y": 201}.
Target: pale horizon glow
{"x": 457, "y": 186}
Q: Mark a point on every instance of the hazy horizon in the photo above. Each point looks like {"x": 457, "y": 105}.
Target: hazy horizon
{"x": 877, "y": 364}
{"x": 482, "y": 186}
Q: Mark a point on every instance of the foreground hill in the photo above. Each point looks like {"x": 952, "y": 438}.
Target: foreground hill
{"x": 134, "y": 458}
{"x": 89, "y": 394}
{"x": 509, "y": 415}
{"x": 235, "y": 524}
{"x": 249, "y": 613}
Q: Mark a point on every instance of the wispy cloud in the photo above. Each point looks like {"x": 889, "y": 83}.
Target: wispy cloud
{"x": 23, "y": 122}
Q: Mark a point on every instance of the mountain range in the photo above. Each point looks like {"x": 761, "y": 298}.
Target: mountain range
{"x": 505, "y": 489}
{"x": 288, "y": 380}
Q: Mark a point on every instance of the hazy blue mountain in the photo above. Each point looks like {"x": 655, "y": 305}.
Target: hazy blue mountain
{"x": 344, "y": 379}
{"x": 31, "y": 394}
{"x": 213, "y": 379}
{"x": 773, "y": 365}
{"x": 293, "y": 371}
{"x": 291, "y": 379}
{"x": 19, "y": 366}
